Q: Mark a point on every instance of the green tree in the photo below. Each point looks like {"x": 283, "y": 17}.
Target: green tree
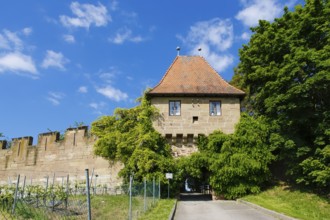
{"x": 241, "y": 165}
{"x": 129, "y": 137}
{"x": 285, "y": 70}
{"x": 234, "y": 164}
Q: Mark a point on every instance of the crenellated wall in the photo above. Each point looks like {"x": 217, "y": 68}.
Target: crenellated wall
{"x": 68, "y": 156}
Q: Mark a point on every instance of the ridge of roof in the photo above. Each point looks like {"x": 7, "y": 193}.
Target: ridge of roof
{"x": 193, "y": 75}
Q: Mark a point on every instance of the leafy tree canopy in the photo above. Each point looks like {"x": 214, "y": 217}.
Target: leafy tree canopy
{"x": 234, "y": 164}
{"x": 242, "y": 164}
{"x": 285, "y": 70}
{"x": 129, "y": 137}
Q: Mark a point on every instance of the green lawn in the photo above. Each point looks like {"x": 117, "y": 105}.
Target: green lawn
{"x": 110, "y": 207}
{"x": 161, "y": 211}
{"x": 293, "y": 203}
{"x": 116, "y": 207}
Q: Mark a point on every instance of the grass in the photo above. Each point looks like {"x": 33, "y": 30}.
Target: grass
{"x": 294, "y": 203}
{"x": 110, "y": 207}
{"x": 116, "y": 207}
{"x": 161, "y": 211}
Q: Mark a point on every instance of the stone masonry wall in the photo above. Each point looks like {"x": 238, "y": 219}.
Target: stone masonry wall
{"x": 182, "y": 131}
{"x": 70, "y": 156}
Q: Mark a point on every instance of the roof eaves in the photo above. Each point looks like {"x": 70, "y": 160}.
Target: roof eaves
{"x": 161, "y": 94}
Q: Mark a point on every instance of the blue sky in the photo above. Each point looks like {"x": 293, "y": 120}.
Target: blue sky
{"x": 63, "y": 62}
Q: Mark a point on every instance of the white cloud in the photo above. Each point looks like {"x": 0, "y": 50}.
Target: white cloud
{"x": 86, "y": 15}
{"x": 125, "y": 34}
{"x": 17, "y": 62}
{"x": 12, "y": 58}
{"x": 246, "y": 36}
{"x": 217, "y": 61}
{"x": 214, "y": 37}
{"x": 215, "y": 32}
{"x": 82, "y": 89}
{"x": 112, "y": 93}
{"x": 256, "y": 10}
{"x": 55, "y": 97}
{"x": 98, "y": 107}
{"x": 4, "y": 43}
{"x": 114, "y": 5}
{"x": 69, "y": 38}
{"x": 54, "y": 59}
{"x": 27, "y": 31}
{"x": 14, "y": 42}
{"x": 109, "y": 76}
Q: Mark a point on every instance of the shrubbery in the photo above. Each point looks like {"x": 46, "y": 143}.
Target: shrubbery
{"x": 237, "y": 164}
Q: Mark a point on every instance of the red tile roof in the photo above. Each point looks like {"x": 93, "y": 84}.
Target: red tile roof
{"x": 192, "y": 75}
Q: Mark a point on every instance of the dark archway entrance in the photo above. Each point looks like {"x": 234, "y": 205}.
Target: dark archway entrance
{"x": 195, "y": 189}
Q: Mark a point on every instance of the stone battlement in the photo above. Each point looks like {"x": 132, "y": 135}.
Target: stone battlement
{"x": 67, "y": 155}
{"x": 72, "y": 135}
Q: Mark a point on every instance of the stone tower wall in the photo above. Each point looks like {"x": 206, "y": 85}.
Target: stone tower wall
{"x": 182, "y": 131}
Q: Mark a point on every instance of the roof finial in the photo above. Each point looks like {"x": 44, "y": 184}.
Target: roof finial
{"x": 199, "y": 51}
{"x": 178, "y": 49}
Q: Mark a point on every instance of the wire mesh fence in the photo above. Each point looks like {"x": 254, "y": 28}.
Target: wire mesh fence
{"x": 71, "y": 199}
{"x": 50, "y": 200}
{"x": 145, "y": 194}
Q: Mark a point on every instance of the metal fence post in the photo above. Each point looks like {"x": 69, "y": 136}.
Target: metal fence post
{"x": 15, "y": 199}
{"x": 159, "y": 188}
{"x": 130, "y": 198}
{"x": 47, "y": 177}
{"x": 53, "y": 181}
{"x": 44, "y": 196}
{"x": 168, "y": 188}
{"x": 88, "y": 196}
{"x": 23, "y": 187}
{"x": 153, "y": 190}
{"x": 91, "y": 182}
{"x": 95, "y": 184}
{"x": 67, "y": 192}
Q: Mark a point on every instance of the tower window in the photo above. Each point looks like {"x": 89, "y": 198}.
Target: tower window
{"x": 215, "y": 108}
{"x": 175, "y": 108}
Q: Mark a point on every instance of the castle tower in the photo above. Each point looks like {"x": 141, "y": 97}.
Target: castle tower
{"x": 193, "y": 99}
